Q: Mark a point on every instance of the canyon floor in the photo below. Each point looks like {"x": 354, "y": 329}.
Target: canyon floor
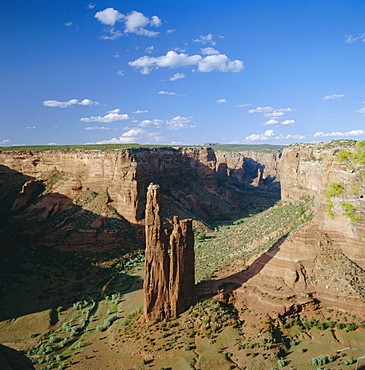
{"x": 108, "y": 332}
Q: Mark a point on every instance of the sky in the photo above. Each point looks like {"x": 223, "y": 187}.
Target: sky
{"x": 181, "y": 72}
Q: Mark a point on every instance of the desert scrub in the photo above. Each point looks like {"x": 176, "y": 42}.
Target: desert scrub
{"x": 250, "y": 236}
{"x": 351, "y": 199}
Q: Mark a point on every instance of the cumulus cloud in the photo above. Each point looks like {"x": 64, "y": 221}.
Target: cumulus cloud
{"x": 268, "y": 134}
{"x": 219, "y": 101}
{"x": 290, "y": 136}
{"x": 166, "y": 93}
{"x": 271, "y": 122}
{"x": 134, "y": 135}
{"x": 172, "y": 59}
{"x": 176, "y": 123}
{"x": 288, "y": 122}
{"x": 68, "y": 24}
{"x": 31, "y": 127}
{"x": 157, "y": 123}
{"x": 120, "y": 73}
{"x": 65, "y": 104}
{"x": 179, "y": 123}
{"x": 177, "y": 76}
{"x": 261, "y": 110}
{"x": 340, "y": 134}
{"x": 351, "y": 39}
{"x": 208, "y": 39}
{"x": 361, "y": 111}
{"x": 4, "y": 141}
{"x": 272, "y": 113}
{"x": 91, "y": 6}
{"x": 140, "y": 111}
{"x": 111, "y": 34}
{"x": 333, "y": 96}
{"x": 209, "y": 51}
{"x": 109, "y": 16}
{"x": 97, "y": 128}
{"x": 111, "y": 116}
{"x": 134, "y": 22}
{"x": 170, "y": 31}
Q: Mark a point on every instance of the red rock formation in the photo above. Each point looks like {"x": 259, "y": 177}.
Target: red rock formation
{"x": 182, "y": 282}
{"x": 169, "y": 285}
{"x": 156, "y": 267}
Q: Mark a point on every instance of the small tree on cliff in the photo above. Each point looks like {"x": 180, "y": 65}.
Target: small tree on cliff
{"x": 353, "y": 206}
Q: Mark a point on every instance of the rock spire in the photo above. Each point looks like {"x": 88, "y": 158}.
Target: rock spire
{"x": 169, "y": 283}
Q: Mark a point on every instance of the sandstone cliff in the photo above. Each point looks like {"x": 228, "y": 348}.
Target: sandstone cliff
{"x": 169, "y": 283}
{"x": 323, "y": 262}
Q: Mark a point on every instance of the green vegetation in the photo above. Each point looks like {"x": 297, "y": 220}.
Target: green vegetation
{"x": 267, "y": 148}
{"x": 349, "y": 197}
{"x": 321, "y": 360}
{"x": 250, "y": 236}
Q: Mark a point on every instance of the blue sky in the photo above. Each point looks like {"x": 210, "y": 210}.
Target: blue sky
{"x": 181, "y": 72}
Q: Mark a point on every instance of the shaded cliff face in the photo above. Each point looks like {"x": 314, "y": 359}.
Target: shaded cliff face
{"x": 196, "y": 182}
{"x": 322, "y": 262}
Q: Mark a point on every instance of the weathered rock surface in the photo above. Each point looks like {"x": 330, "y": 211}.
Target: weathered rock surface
{"x": 323, "y": 262}
{"x": 169, "y": 285}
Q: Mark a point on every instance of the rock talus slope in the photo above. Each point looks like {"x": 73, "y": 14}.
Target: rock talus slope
{"x": 322, "y": 262}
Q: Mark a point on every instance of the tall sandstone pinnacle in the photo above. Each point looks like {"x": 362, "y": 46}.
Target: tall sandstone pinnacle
{"x": 169, "y": 283}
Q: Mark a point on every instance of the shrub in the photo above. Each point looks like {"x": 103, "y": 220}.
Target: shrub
{"x": 281, "y": 363}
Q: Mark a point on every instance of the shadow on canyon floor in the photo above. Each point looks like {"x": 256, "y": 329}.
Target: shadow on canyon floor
{"x": 54, "y": 253}
{"x": 227, "y": 285}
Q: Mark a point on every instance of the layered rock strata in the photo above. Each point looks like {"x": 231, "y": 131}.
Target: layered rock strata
{"x": 169, "y": 285}
{"x": 323, "y": 262}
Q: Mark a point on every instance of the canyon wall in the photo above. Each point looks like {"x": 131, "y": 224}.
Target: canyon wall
{"x": 195, "y": 181}
{"x": 323, "y": 261}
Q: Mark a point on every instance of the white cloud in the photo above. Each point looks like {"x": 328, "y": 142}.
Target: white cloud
{"x": 177, "y": 76}
{"x": 88, "y": 102}
{"x": 4, "y": 141}
{"x": 31, "y": 127}
{"x": 97, "y": 128}
{"x": 140, "y": 111}
{"x": 271, "y": 122}
{"x": 116, "y": 56}
{"x": 134, "y": 135}
{"x": 134, "y": 22}
{"x": 65, "y": 104}
{"x": 288, "y": 122}
{"x": 91, "y": 6}
{"x": 68, "y": 24}
{"x": 152, "y": 123}
{"x": 170, "y": 31}
{"x": 149, "y": 49}
{"x": 261, "y": 110}
{"x": 172, "y": 59}
{"x": 179, "y": 123}
{"x": 208, "y": 39}
{"x": 166, "y": 93}
{"x": 111, "y": 116}
{"x": 209, "y": 51}
{"x": 109, "y": 16}
{"x": 340, "y": 134}
{"x": 113, "y": 34}
{"x": 243, "y": 105}
{"x": 290, "y": 136}
{"x": 221, "y": 101}
{"x": 333, "y": 96}
{"x": 268, "y": 134}
{"x": 176, "y": 123}
{"x": 120, "y": 73}
{"x": 351, "y": 39}
{"x": 361, "y": 111}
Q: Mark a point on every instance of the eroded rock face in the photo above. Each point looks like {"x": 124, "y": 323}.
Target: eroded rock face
{"x": 323, "y": 262}
{"x": 169, "y": 285}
